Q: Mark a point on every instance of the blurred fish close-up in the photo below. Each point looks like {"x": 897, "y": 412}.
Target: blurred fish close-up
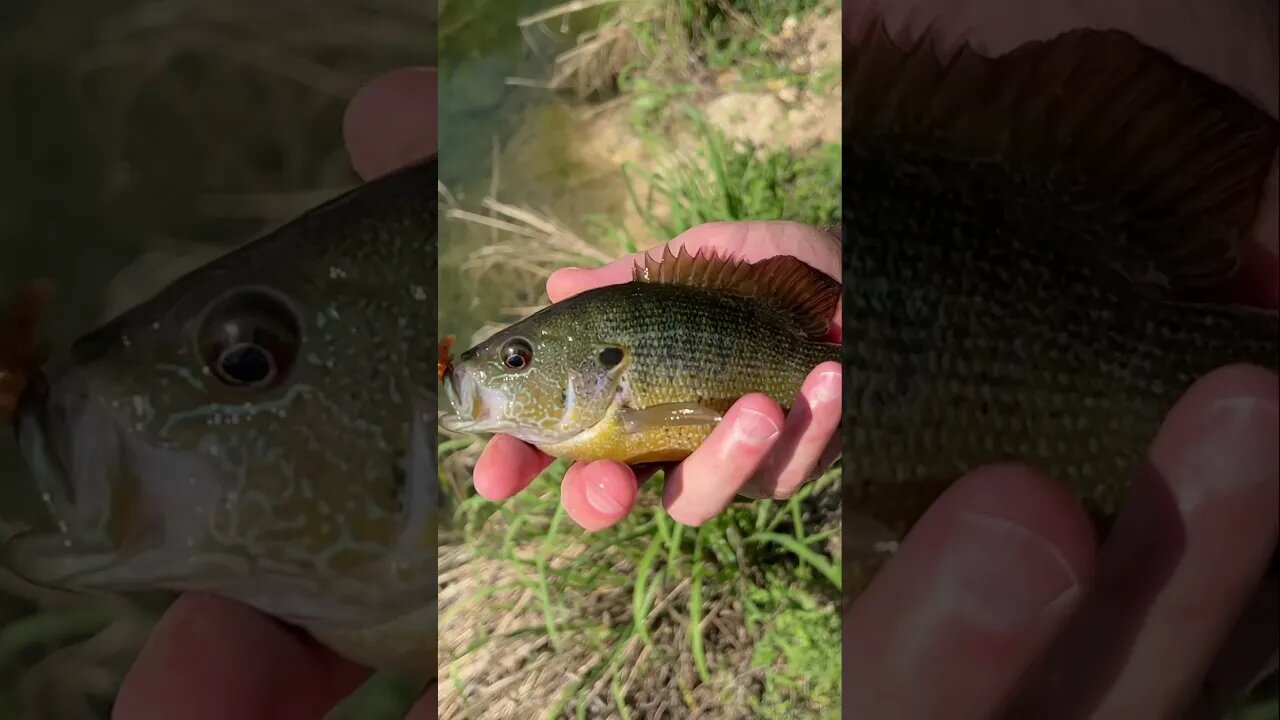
{"x": 262, "y": 429}
{"x": 1040, "y": 246}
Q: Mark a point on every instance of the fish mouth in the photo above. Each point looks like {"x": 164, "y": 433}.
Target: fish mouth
{"x": 44, "y": 446}
{"x": 119, "y": 522}
{"x": 478, "y": 409}
{"x": 475, "y": 408}
{"x": 50, "y": 415}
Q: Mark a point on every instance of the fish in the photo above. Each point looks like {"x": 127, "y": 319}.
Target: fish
{"x": 643, "y": 371}
{"x": 1042, "y": 253}
{"x": 262, "y": 428}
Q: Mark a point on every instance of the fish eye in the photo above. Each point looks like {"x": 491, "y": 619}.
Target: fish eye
{"x": 516, "y": 354}
{"x": 249, "y": 340}
{"x": 246, "y": 364}
{"x": 610, "y": 357}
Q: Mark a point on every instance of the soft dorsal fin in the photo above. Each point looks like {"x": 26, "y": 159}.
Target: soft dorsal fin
{"x": 1123, "y": 128}
{"x": 807, "y": 295}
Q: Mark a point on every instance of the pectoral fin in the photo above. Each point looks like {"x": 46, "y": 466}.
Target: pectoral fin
{"x": 636, "y": 420}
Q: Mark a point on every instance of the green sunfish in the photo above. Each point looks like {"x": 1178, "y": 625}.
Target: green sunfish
{"x": 1038, "y": 254}
{"x": 263, "y": 429}
{"x": 642, "y": 371}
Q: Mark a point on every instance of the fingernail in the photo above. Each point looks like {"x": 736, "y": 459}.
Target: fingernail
{"x": 828, "y": 387}
{"x": 1236, "y": 453}
{"x": 753, "y": 428}
{"x": 1000, "y": 575}
{"x": 601, "y": 497}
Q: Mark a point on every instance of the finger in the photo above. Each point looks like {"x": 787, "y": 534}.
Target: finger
{"x": 599, "y": 494}
{"x": 1250, "y": 648}
{"x": 806, "y": 434}
{"x": 391, "y": 121}
{"x": 835, "y": 448}
{"x": 211, "y": 658}
{"x": 1181, "y": 562}
{"x": 507, "y": 466}
{"x": 978, "y": 589}
{"x": 425, "y": 708}
{"x": 705, "y": 483}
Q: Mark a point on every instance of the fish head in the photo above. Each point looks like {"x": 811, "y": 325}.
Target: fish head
{"x": 543, "y": 380}
{"x": 260, "y": 428}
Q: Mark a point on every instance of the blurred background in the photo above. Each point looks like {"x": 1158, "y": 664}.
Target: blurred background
{"x": 573, "y": 133}
{"x": 139, "y": 138}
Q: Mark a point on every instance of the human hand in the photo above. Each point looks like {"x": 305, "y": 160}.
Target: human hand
{"x": 754, "y": 450}
{"x": 212, "y": 658}
{"x": 998, "y": 603}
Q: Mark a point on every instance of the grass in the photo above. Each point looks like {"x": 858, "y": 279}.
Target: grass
{"x": 654, "y": 53}
{"x": 649, "y": 613}
{"x": 737, "y": 618}
{"x": 736, "y": 183}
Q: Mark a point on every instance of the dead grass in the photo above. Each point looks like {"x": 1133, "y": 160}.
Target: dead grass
{"x": 497, "y": 660}
{"x": 591, "y": 67}
{"x": 533, "y": 243}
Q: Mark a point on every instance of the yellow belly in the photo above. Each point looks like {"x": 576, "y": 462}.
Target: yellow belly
{"x": 607, "y": 440}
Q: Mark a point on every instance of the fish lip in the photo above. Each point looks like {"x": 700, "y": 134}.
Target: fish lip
{"x": 478, "y": 410}
{"x": 456, "y": 391}
{"x": 51, "y": 423}
{"x": 470, "y": 411}
{"x": 44, "y": 447}
{"x": 475, "y": 410}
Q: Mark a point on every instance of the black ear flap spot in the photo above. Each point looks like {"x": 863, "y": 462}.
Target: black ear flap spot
{"x": 610, "y": 357}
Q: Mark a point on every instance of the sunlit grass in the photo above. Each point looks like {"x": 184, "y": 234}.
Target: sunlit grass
{"x": 650, "y": 593}
{"x": 655, "y": 53}
{"x": 736, "y": 183}
{"x": 736, "y": 618}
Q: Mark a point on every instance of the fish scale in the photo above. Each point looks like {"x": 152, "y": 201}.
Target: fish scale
{"x": 704, "y": 347}
{"x": 955, "y": 359}
{"x": 311, "y": 498}
{"x": 1003, "y": 302}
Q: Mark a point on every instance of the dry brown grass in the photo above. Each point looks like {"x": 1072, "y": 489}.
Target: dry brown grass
{"x": 497, "y": 660}
{"x": 591, "y": 67}
{"x": 521, "y": 248}
{"x": 533, "y": 243}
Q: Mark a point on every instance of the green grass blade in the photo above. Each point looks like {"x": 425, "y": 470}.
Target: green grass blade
{"x": 824, "y": 566}
{"x": 695, "y": 610}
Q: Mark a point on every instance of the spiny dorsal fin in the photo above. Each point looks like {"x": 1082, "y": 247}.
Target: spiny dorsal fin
{"x": 1124, "y": 128}
{"x": 807, "y": 295}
